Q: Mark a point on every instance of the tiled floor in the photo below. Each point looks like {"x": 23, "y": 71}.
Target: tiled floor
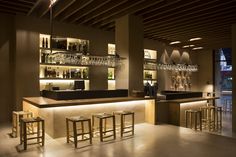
{"x": 149, "y": 141}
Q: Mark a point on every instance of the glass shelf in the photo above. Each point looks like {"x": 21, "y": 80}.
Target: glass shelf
{"x": 50, "y": 78}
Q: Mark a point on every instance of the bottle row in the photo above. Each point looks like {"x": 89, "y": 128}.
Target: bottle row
{"x": 68, "y": 73}
{"x": 45, "y": 42}
{"x": 81, "y": 46}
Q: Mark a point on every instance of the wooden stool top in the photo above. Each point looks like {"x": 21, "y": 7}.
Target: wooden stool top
{"x": 123, "y": 112}
{"x": 103, "y": 115}
{"x": 22, "y": 112}
{"x": 192, "y": 111}
{"x": 78, "y": 118}
{"x": 31, "y": 120}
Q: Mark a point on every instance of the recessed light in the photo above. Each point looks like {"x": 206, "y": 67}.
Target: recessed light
{"x": 194, "y": 39}
{"x": 186, "y": 46}
{"x": 197, "y": 48}
{"x": 174, "y": 42}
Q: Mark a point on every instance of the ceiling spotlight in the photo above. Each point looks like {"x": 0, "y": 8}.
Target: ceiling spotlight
{"x": 174, "y": 42}
{"x": 52, "y": 2}
{"x": 197, "y": 48}
{"x": 194, "y": 39}
{"x": 187, "y": 46}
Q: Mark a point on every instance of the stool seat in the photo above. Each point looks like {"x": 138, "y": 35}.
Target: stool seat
{"x": 102, "y": 115}
{"x": 21, "y": 112}
{"x": 31, "y": 119}
{"x": 123, "y": 112}
{"x": 78, "y": 118}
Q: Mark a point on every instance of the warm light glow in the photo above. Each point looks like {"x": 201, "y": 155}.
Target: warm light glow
{"x": 102, "y": 105}
{"x": 187, "y": 46}
{"x": 52, "y": 2}
{"x": 194, "y": 39}
{"x": 197, "y": 48}
{"x": 174, "y": 42}
{"x": 193, "y": 103}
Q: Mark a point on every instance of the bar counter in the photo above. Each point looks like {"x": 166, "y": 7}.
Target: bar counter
{"x": 55, "y": 111}
{"x": 173, "y": 111}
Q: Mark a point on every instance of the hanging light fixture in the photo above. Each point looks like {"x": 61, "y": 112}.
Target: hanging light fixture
{"x": 176, "y": 62}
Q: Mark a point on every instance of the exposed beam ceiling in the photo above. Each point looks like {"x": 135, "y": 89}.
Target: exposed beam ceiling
{"x": 164, "y": 20}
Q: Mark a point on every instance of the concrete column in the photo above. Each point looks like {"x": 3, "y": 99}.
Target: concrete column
{"x": 234, "y": 77}
{"x": 129, "y": 44}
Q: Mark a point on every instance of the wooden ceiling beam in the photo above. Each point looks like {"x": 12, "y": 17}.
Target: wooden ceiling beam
{"x": 153, "y": 8}
{"x": 61, "y": 6}
{"x": 114, "y": 11}
{"x": 192, "y": 14}
{"x": 195, "y": 21}
{"x": 206, "y": 28}
{"x": 89, "y": 9}
{"x": 173, "y": 12}
{"x": 70, "y": 11}
{"x": 130, "y": 10}
{"x": 16, "y": 4}
{"x": 10, "y": 7}
{"x": 169, "y": 12}
{"x": 99, "y": 12}
{"x": 211, "y": 23}
{"x": 34, "y": 6}
{"x": 203, "y": 19}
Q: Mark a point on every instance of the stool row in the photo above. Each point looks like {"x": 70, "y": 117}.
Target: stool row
{"x": 101, "y": 128}
{"x": 209, "y": 117}
{"x": 32, "y": 128}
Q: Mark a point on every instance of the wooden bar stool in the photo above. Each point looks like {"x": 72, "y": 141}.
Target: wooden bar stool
{"x": 16, "y": 116}
{"x": 78, "y": 132}
{"x": 195, "y": 118}
{"x": 129, "y": 128}
{"x": 209, "y": 117}
{"x": 26, "y": 134}
{"x": 219, "y": 111}
{"x": 103, "y": 128}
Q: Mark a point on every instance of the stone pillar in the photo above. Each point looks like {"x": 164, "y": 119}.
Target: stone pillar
{"x": 129, "y": 44}
{"x": 234, "y": 78}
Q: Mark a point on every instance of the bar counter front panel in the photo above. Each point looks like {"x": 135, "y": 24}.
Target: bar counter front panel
{"x": 54, "y": 111}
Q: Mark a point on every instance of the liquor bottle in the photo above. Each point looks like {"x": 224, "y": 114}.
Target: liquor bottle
{"x": 43, "y": 44}
{"x": 64, "y": 74}
{"x": 46, "y": 42}
{"x": 45, "y": 72}
{"x": 42, "y": 57}
{"x": 46, "y": 58}
{"x": 79, "y": 74}
{"x": 85, "y": 74}
{"x": 57, "y": 72}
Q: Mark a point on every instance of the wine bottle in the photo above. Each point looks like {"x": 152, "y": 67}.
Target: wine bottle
{"x": 43, "y": 43}
{"x": 46, "y": 42}
{"x": 57, "y": 72}
{"x": 45, "y": 72}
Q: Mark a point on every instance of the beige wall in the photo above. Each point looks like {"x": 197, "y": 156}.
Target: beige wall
{"x": 6, "y": 70}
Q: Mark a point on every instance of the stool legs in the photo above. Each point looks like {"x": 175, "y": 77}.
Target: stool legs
{"x": 75, "y": 134}
{"x": 194, "y": 116}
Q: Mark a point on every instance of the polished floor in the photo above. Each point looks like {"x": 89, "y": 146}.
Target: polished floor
{"x": 149, "y": 141}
